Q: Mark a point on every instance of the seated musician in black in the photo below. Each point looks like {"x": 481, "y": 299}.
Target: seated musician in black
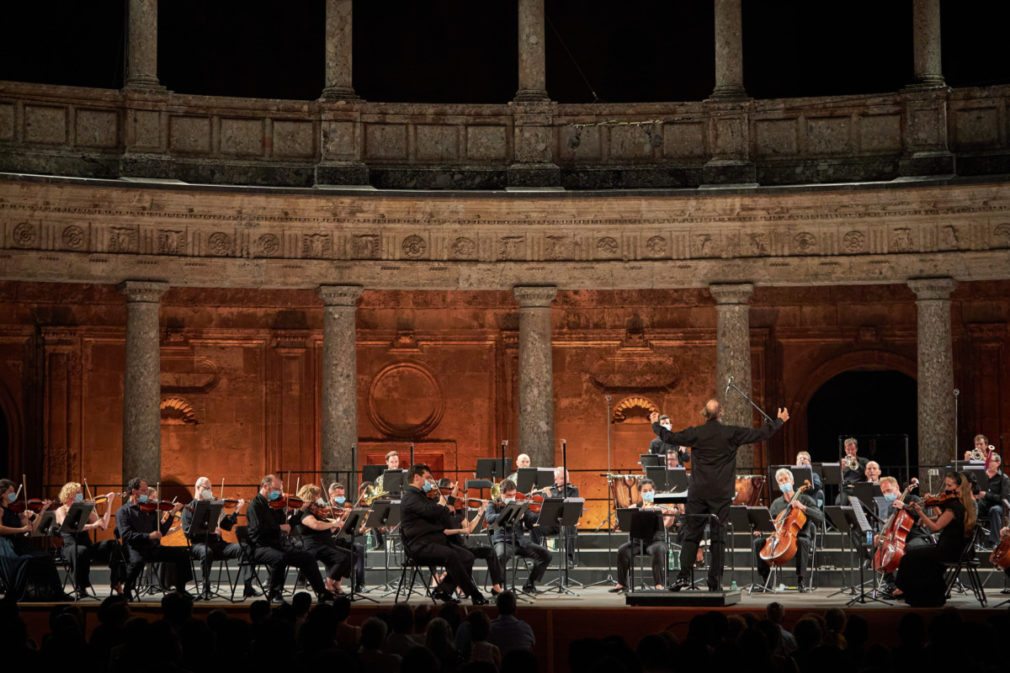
{"x": 317, "y": 536}
{"x": 269, "y": 533}
{"x": 562, "y": 480}
{"x": 141, "y": 532}
{"x": 80, "y": 551}
{"x": 524, "y": 546}
{"x": 815, "y": 517}
{"x": 20, "y": 564}
{"x": 424, "y": 522}
{"x": 212, "y": 547}
{"x": 916, "y": 537}
{"x": 458, "y": 518}
{"x": 338, "y": 500}
{"x": 656, "y": 548}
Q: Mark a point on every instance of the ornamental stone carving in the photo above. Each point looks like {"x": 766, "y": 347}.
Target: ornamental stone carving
{"x": 901, "y": 239}
{"x": 464, "y": 248}
{"x": 557, "y": 247}
{"x": 365, "y": 246}
{"x": 268, "y": 245}
{"x": 854, "y": 242}
{"x": 608, "y": 246}
{"x": 123, "y": 239}
{"x": 73, "y": 237}
{"x": 635, "y": 409}
{"x": 1002, "y": 233}
{"x": 316, "y": 246}
{"x": 171, "y": 242}
{"x": 512, "y": 247}
{"x": 656, "y": 246}
{"x": 758, "y": 244}
{"x": 413, "y": 246}
{"x": 219, "y": 244}
{"x": 405, "y": 401}
{"x": 24, "y": 235}
{"x": 805, "y": 242}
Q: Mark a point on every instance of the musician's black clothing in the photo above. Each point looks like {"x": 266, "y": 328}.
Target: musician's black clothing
{"x": 655, "y": 547}
{"x": 815, "y": 517}
{"x": 524, "y": 546}
{"x": 658, "y": 447}
{"x": 422, "y": 527}
{"x": 991, "y": 507}
{"x": 713, "y": 484}
{"x": 495, "y": 568}
{"x": 80, "y": 551}
{"x": 276, "y": 553}
{"x": 916, "y": 537}
{"x": 850, "y": 477}
{"x": 338, "y": 561}
{"x": 21, "y": 565}
{"x": 920, "y": 573}
{"x": 135, "y": 527}
{"x": 211, "y": 547}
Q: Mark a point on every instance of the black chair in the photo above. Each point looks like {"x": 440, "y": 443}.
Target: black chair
{"x": 415, "y": 569}
{"x": 969, "y": 563}
{"x": 245, "y": 561}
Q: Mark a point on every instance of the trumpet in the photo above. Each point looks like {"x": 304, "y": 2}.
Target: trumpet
{"x": 851, "y": 463}
{"x": 978, "y": 455}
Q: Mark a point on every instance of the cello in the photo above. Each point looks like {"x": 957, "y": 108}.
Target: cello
{"x": 1000, "y": 556}
{"x": 781, "y": 545}
{"x": 893, "y": 539}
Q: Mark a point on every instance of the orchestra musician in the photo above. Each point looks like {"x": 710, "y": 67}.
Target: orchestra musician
{"x": 317, "y": 536}
{"x": 803, "y": 460}
{"x": 392, "y": 463}
{"x": 981, "y": 444}
{"x": 996, "y": 487}
{"x": 423, "y": 526}
{"x": 212, "y": 547}
{"x": 872, "y": 472}
{"x": 141, "y": 530}
{"x": 673, "y": 460}
{"x": 269, "y": 532}
{"x": 656, "y": 548}
{"x": 495, "y": 569}
{"x": 713, "y": 461}
{"x": 815, "y": 517}
{"x": 920, "y": 574}
{"x": 522, "y": 461}
{"x": 78, "y": 548}
{"x": 561, "y": 482}
{"x": 853, "y": 469}
{"x": 916, "y": 537}
{"x": 338, "y": 500}
{"x": 524, "y": 545}
{"x": 19, "y": 562}
{"x": 660, "y": 446}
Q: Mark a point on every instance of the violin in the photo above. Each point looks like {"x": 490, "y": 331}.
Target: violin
{"x": 286, "y": 500}
{"x": 935, "y": 500}
{"x": 157, "y": 506}
{"x": 35, "y": 505}
{"x": 781, "y": 546}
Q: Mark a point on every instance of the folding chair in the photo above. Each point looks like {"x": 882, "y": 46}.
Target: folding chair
{"x": 969, "y": 563}
{"x": 245, "y": 561}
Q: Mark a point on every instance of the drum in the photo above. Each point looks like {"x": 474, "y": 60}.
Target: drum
{"x": 749, "y": 488}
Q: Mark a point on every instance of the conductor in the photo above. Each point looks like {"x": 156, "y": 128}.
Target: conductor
{"x": 713, "y": 455}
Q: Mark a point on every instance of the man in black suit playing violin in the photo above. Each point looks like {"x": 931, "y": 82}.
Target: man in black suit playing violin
{"x": 139, "y": 526}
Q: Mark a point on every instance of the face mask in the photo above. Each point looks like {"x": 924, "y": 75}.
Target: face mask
{"x": 275, "y": 495}
{"x": 890, "y": 497}
{"x": 11, "y": 497}
{"x": 340, "y": 500}
{"x": 142, "y": 498}
{"x": 427, "y": 486}
{"x": 666, "y": 425}
{"x": 786, "y": 487}
{"x": 508, "y": 500}
{"x": 648, "y": 496}
{"x": 206, "y": 494}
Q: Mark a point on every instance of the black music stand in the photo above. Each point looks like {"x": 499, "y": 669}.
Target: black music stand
{"x": 392, "y": 482}
{"x": 510, "y": 517}
{"x": 349, "y": 532}
{"x": 372, "y": 472}
{"x": 866, "y": 492}
{"x": 836, "y": 515}
{"x": 565, "y": 512}
{"x": 739, "y": 521}
{"x": 494, "y": 469}
{"x": 760, "y": 521}
{"x": 206, "y": 514}
{"x": 73, "y": 523}
{"x": 545, "y": 477}
{"x": 526, "y": 478}
{"x": 831, "y": 475}
{"x": 647, "y": 460}
{"x": 378, "y": 517}
{"x": 858, "y": 522}
{"x": 643, "y": 528}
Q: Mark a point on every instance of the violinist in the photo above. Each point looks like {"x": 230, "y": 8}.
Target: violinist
{"x": 423, "y": 528}
{"x": 19, "y": 563}
{"x": 996, "y": 487}
{"x": 317, "y": 524}
{"x": 269, "y": 532}
{"x": 212, "y": 547}
{"x": 916, "y": 537}
{"x": 459, "y": 521}
{"x": 815, "y": 517}
{"x": 920, "y": 574}
{"x": 340, "y": 503}
{"x": 656, "y": 549}
{"x": 138, "y": 525}
{"x": 78, "y": 548}
{"x": 524, "y": 546}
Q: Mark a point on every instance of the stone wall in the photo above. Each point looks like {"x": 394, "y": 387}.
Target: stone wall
{"x": 102, "y": 133}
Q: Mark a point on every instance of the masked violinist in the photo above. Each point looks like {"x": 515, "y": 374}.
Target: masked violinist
{"x": 141, "y": 531}
{"x": 815, "y": 517}
{"x": 339, "y": 502}
{"x": 317, "y": 536}
{"x": 78, "y": 548}
{"x": 212, "y": 547}
{"x": 656, "y": 548}
{"x": 21, "y": 564}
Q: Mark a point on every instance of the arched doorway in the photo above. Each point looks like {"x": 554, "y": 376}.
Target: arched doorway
{"x": 877, "y": 407}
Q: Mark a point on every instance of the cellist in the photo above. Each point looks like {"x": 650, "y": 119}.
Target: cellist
{"x": 815, "y": 517}
{"x": 916, "y": 537}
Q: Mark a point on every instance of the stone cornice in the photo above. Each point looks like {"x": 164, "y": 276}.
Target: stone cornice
{"x": 104, "y": 231}
{"x": 535, "y": 296}
{"x": 931, "y": 289}
{"x": 731, "y": 293}
{"x": 143, "y": 291}
{"x": 339, "y": 295}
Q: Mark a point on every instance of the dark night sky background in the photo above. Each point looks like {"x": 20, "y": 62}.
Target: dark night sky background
{"x": 465, "y": 50}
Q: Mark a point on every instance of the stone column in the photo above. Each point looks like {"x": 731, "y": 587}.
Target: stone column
{"x": 728, "y": 51}
{"x": 339, "y": 403}
{"x": 142, "y": 381}
{"x": 339, "y": 39}
{"x": 532, "y": 52}
{"x": 935, "y": 372}
{"x": 926, "y": 43}
{"x": 733, "y": 356}
{"x": 142, "y": 45}
{"x": 536, "y": 373}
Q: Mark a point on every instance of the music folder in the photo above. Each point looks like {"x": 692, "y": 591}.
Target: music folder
{"x": 76, "y": 518}
{"x": 206, "y": 514}
{"x": 352, "y": 523}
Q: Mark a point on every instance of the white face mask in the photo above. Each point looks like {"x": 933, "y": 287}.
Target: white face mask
{"x": 667, "y": 426}
{"x": 508, "y": 500}
{"x": 206, "y": 494}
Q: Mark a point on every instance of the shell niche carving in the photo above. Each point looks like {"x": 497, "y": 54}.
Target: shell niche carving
{"x": 634, "y": 409}
{"x": 177, "y": 411}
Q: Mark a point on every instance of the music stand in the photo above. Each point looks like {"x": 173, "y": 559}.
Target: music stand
{"x": 866, "y": 492}
{"x": 545, "y": 477}
{"x": 676, "y": 479}
{"x": 507, "y": 520}
{"x": 206, "y": 514}
{"x": 550, "y": 516}
{"x": 739, "y": 521}
{"x": 643, "y": 529}
{"x": 526, "y": 478}
{"x": 760, "y": 521}
{"x": 493, "y": 468}
{"x": 651, "y": 460}
{"x": 858, "y": 522}
{"x": 378, "y": 517}
{"x": 73, "y": 523}
{"x": 392, "y": 482}
{"x": 349, "y": 532}
{"x": 831, "y": 475}
{"x": 372, "y": 472}
{"x": 657, "y": 474}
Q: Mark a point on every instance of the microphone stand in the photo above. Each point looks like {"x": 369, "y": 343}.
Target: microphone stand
{"x": 957, "y": 454}
{"x": 609, "y": 579}
{"x": 730, "y": 384}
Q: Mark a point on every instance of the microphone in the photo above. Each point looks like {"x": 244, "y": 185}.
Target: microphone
{"x": 729, "y": 382}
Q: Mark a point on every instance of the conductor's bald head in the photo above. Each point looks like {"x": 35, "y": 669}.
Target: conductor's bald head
{"x": 712, "y": 410}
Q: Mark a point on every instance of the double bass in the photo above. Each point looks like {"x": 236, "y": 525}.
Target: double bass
{"x": 894, "y": 535}
{"x": 781, "y": 546}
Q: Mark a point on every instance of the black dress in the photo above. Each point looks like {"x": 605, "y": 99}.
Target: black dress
{"x": 920, "y": 574}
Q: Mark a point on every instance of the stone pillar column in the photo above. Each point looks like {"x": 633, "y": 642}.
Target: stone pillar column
{"x": 926, "y": 43}
{"x": 733, "y": 356}
{"x": 142, "y": 381}
{"x": 536, "y": 372}
{"x": 935, "y": 372}
{"x": 728, "y": 51}
{"x": 142, "y": 45}
{"x": 532, "y": 52}
{"x": 340, "y": 376}
{"x": 339, "y": 39}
